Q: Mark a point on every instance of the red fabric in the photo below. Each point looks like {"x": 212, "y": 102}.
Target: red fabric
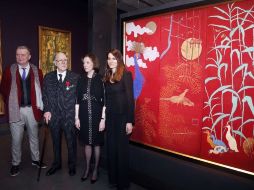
{"x": 5, "y": 88}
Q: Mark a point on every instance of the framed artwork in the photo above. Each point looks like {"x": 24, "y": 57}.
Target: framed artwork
{"x": 51, "y": 41}
{"x": 194, "y": 82}
{"x": 1, "y": 73}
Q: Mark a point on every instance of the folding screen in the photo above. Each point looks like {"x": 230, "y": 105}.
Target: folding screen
{"x": 194, "y": 82}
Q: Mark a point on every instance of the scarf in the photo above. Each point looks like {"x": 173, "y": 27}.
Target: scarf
{"x": 14, "y": 113}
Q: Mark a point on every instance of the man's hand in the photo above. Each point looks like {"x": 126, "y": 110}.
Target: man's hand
{"x": 47, "y": 117}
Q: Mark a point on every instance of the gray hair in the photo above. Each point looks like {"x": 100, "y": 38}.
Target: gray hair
{"x": 24, "y": 47}
{"x": 57, "y": 53}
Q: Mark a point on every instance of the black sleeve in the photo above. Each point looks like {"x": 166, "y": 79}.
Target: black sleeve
{"x": 79, "y": 91}
{"x": 45, "y": 95}
{"x": 128, "y": 83}
{"x": 101, "y": 89}
{"x": 104, "y": 94}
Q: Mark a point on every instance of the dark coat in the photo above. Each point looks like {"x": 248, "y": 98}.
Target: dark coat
{"x": 60, "y": 98}
{"x": 90, "y": 97}
{"x": 120, "y": 98}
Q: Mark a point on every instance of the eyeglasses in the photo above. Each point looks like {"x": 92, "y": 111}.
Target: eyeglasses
{"x": 62, "y": 60}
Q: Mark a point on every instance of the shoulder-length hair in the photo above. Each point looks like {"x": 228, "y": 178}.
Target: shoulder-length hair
{"x": 117, "y": 76}
{"x": 94, "y": 59}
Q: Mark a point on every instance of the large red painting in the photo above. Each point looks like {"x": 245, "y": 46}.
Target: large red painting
{"x": 194, "y": 82}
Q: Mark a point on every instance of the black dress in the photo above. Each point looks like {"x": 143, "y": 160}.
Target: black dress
{"x": 90, "y": 97}
{"x": 119, "y": 111}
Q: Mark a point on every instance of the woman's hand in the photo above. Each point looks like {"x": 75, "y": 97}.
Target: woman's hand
{"x": 77, "y": 123}
{"x": 102, "y": 125}
{"x": 129, "y": 128}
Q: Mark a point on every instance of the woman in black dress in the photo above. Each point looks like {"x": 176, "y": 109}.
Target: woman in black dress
{"x": 119, "y": 118}
{"x": 90, "y": 113}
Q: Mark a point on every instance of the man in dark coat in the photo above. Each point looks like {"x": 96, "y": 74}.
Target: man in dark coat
{"x": 59, "y": 90}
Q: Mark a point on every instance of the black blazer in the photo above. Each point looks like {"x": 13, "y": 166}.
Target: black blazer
{"x": 120, "y": 97}
{"x": 60, "y": 98}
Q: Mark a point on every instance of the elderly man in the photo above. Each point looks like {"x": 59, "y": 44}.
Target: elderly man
{"x": 59, "y": 97}
{"x": 21, "y": 89}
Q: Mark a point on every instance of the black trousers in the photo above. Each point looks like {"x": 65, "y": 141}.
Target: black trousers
{"x": 56, "y": 129}
{"x": 117, "y": 150}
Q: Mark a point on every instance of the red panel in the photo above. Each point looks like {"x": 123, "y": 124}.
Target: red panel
{"x": 194, "y": 72}
{"x": 230, "y": 65}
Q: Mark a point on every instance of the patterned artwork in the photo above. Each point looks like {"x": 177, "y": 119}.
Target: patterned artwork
{"x": 51, "y": 41}
{"x": 194, "y": 82}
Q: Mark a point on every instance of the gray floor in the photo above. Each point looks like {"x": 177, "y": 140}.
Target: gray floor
{"x": 27, "y": 179}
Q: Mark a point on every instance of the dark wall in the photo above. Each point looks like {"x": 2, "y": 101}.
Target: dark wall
{"x": 20, "y": 21}
{"x": 103, "y": 23}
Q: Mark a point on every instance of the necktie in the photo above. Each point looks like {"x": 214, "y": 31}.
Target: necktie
{"x": 60, "y": 78}
{"x": 23, "y": 74}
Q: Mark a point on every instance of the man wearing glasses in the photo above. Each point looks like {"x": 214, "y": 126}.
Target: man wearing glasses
{"x": 59, "y": 92}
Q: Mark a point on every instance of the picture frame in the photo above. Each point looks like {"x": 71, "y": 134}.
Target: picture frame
{"x": 51, "y": 41}
{"x": 174, "y": 51}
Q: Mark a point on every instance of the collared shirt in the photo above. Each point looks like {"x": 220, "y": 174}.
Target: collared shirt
{"x": 63, "y": 75}
{"x": 21, "y": 69}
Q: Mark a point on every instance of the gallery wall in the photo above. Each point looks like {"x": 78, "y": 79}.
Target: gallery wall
{"x": 20, "y": 21}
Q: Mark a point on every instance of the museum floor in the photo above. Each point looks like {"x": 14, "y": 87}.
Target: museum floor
{"x": 27, "y": 179}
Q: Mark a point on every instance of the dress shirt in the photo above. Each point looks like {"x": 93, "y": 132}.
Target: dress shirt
{"x": 21, "y": 69}
{"x": 63, "y": 75}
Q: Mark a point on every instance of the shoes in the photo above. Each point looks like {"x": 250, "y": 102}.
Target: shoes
{"x": 84, "y": 176}
{"x": 94, "y": 179}
{"x": 52, "y": 171}
{"x": 39, "y": 164}
{"x": 72, "y": 172}
{"x": 14, "y": 170}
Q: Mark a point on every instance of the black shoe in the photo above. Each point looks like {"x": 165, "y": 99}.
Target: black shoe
{"x": 72, "y": 172}
{"x": 14, "y": 170}
{"x": 84, "y": 176}
{"x": 52, "y": 171}
{"x": 39, "y": 164}
{"x": 94, "y": 179}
